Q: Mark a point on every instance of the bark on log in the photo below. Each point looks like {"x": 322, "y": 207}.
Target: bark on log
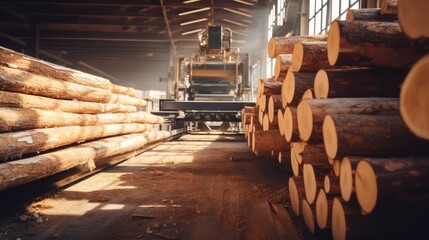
{"x": 413, "y": 14}
{"x": 296, "y": 193}
{"x": 358, "y": 82}
{"x": 290, "y": 125}
{"x": 311, "y": 113}
{"x": 389, "y": 7}
{"x": 310, "y": 57}
{"x": 271, "y": 88}
{"x": 284, "y": 45}
{"x": 30, "y": 169}
{"x": 331, "y": 185}
{"x": 26, "y": 63}
{"x": 20, "y": 100}
{"x": 16, "y": 80}
{"x": 13, "y": 119}
{"x": 283, "y": 62}
{"x": 387, "y": 183}
{"x": 313, "y": 154}
{"x": 268, "y": 140}
{"x": 261, "y": 84}
{"x": 127, "y": 100}
{"x": 18, "y": 144}
{"x": 294, "y": 86}
{"x": 274, "y": 104}
{"x": 370, "y": 14}
{"x": 414, "y": 99}
{"x": 369, "y": 135}
{"x": 369, "y": 44}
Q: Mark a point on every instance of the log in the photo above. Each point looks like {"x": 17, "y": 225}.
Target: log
{"x": 370, "y": 82}
{"x": 369, "y": 44}
{"x": 369, "y": 135}
{"x": 35, "y": 66}
{"x": 283, "y": 157}
{"x": 268, "y": 140}
{"x": 274, "y": 104}
{"x": 123, "y": 90}
{"x": 283, "y": 62}
{"x": 347, "y": 173}
{"x": 323, "y": 207}
{"x": 308, "y": 94}
{"x": 261, "y": 84}
{"x": 18, "y": 144}
{"x": 412, "y": 15}
{"x": 414, "y": 99}
{"x": 290, "y": 125}
{"x": 311, "y": 113}
{"x": 370, "y": 14}
{"x": 263, "y": 103}
{"x": 296, "y": 193}
{"x": 387, "y": 183}
{"x": 127, "y": 100}
{"x": 14, "y": 119}
{"x": 312, "y": 181}
{"x": 389, "y": 7}
{"x": 310, "y": 57}
{"x": 280, "y": 121}
{"x": 271, "y": 88}
{"x": 335, "y": 166}
{"x": 309, "y": 215}
{"x": 284, "y": 45}
{"x": 294, "y": 86}
{"x": 294, "y": 164}
{"x": 313, "y": 154}
{"x": 20, "y": 100}
{"x": 30, "y": 169}
{"x": 16, "y": 80}
{"x": 331, "y": 184}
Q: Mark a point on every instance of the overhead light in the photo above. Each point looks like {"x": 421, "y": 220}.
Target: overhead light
{"x": 194, "y": 21}
{"x": 194, "y": 11}
{"x": 193, "y": 31}
{"x": 237, "y": 12}
{"x": 244, "y": 2}
{"x": 234, "y": 22}
{"x": 191, "y": 1}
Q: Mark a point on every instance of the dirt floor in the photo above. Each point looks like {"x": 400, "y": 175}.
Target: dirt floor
{"x": 197, "y": 187}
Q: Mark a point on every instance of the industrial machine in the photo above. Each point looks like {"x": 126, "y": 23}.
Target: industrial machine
{"x": 211, "y": 84}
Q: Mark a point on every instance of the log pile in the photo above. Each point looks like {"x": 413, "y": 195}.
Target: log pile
{"x": 54, "y": 118}
{"x": 357, "y": 144}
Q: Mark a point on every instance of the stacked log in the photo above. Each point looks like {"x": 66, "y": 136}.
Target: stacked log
{"x": 370, "y": 90}
{"x": 54, "y": 118}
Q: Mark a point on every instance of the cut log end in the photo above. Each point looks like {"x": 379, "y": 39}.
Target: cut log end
{"x": 297, "y": 56}
{"x": 296, "y": 149}
{"x": 366, "y": 186}
{"x": 280, "y": 121}
{"x": 333, "y": 43}
{"x": 288, "y": 88}
{"x": 310, "y": 184}
{"x": 272, "y": 48}
{"x": 308, "y": 94}
{"x": 307, "y": 214}
{"x": 412, "y": 16}
{"x": 288, "y": 124}
{"x": 330, "y": 138}
{"x": 327, "y": 184}
{"x": 283, "y": 62}
{"x": 335, "y": 166}
{"x": 265, "y": 123}
{"x": 338, "y": 220}
{"x": 346, "y": 179}
{"x": 294, "y": 197}
{"x": 305, "y": 120}
{"x": 322, "y": 209}
{"x": 294, "y": 163}
{"x": 321, "y": 84}
{"x": 414, "y": 99}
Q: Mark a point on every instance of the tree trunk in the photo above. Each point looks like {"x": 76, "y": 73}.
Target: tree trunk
{"x": 290, "y": 125}
{"x": 370, "y": 14}
{"x": 386, "y": 183}
{"x": 369, "y": 44}
{"x": 294, "y": 86}
{"x": 13, "y": 119}
{"x": 30, "y": 169}
{"x": 412, "y": 14}
{"x": 311, "y": 113}
{"x": 389, "y": 7}
{"x": 283, "y": 62}
{"x": 16, "y": 80}
{"x": 310, "y": 57}
{"x": 284, "y": 45}
{"x": 358, "y": 82}
{"x": 369, "y": 135}
{"x": 18, "y": 144}
{"x": 26, "y": 63}
{"x": 20, "y": 100}
{"x": 414, "y": 99}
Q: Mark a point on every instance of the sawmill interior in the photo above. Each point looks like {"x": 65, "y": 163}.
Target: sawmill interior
{"x": 214, "y": 119}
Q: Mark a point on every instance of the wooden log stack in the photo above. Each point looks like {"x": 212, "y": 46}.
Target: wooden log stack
{"x": 358, "y": 146}
{"x": 54, "y": 118}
